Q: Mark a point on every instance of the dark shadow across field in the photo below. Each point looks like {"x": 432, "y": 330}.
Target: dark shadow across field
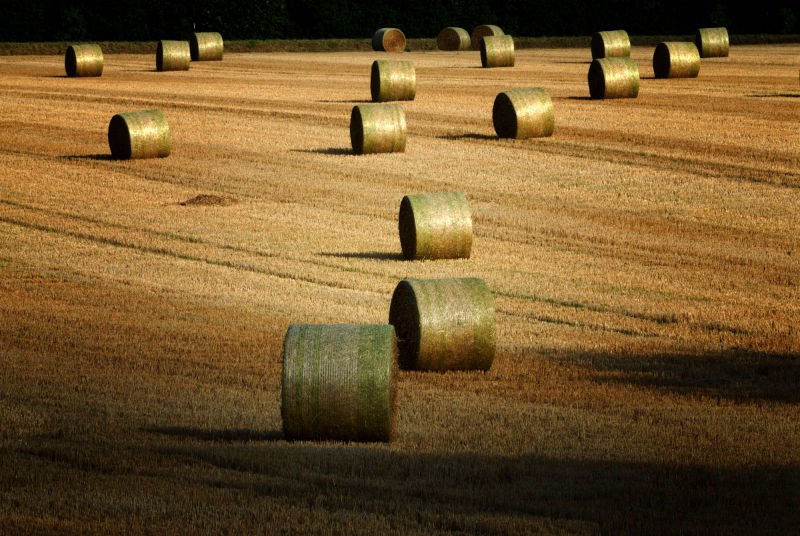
{"x": 377, "y": 255}
{"x": 329, "y": 150}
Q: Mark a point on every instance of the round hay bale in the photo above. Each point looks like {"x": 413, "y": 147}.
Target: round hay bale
{"x": 613, "y": 78}
{"x": 712, "y": 42}
{"x": 338, "y": 382}
{"x": 523, "y": 113}
{"x": 453, "y": 38}
{"x": 393, "y": 81}
{"x": 173, "y": 56}
{"x": 611, "y": 44}
{"x": 435, "y": 226}
{"x": 378, "y": 128}
{"x": 497, "y": 51}
{"x": 676, "y": 60}
{"x": 482, "y": 31}
{"x": 206, "y": 46}
{"x": 83, "y": 60}
{"x": 389, "y": 40}
{"x": 139, "y": 135}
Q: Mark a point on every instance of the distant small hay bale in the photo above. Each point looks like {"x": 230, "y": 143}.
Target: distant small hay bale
{"x": 393, "y": 81}
{"x": 173, "y": 56}
{"x": 523, "y": 113}
{"x": 712, "y": 42}
{"x": 482, "y": 31}
{"x": 613, "y": 78}
{"x": 84, "y": 60}
{"x": 676, "y": 60}
{"x": 206, "y": 46}
{"x": 338, "y": 382}
{"x": 444, "y": 324}
{"x": 497, "y": 51}
{"x": 139, "y": 135}
{"x": 378, "y": 128}
{"x": 611, "y": 44}
{"x": 389, "y": 40}
{"x": 453, "y": 38}
{"x": 435, "y": 226}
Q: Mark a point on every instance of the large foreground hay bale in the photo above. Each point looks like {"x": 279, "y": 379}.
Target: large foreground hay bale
{"x": 139, "y": 135}
{"x": 497, "y": 51}
{"x": 338, "y": 382}
{"x": 453, "y": 38}
{"x": 444, "y": 324}
{"x": 378, "y": 128}
{"x": 206, "y": 46}
{"x": 611, "y": 44}
{"x": 173, "y": 56}
{"x": 83, "y": 60}
{"x": 393, "y": 81}
{"x": 613, "y": 78}
{"x": 523, "y": 113}
{"x": 712, "y": 42}
{"x": 389, "y": 40}
{"x": 676, "y": 60}
{"x": 435, "y": 226}
{"x": 482, "y": 31}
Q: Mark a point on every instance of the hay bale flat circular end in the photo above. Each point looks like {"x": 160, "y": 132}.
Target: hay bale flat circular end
{"x": 173, "y": 56}
{"x": 497, "y": 51}
{"x": 523, "y": 113}
{"x": 206, "y": 46}
{"x": 611, "y": 44}
{"x": 676, "y": 60}
{"x": 393, "y": 81}
{"x": 378, "y": 128}
{"x": 712, "y": 42}
{"x": 453, "y": 38}
{"x": 142, "y": 134}
{"x": 338, "y": 382}
{"x": 389, "y": 40}
{"x": 613, "y": 78}
{"x": 83, "y": 60}
{"x": 435, "y": 226}
{"x": 444, "y": 324}
{"x": 482, "y": 31}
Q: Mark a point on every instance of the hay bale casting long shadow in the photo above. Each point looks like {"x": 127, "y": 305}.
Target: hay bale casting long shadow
{"x": 329, "y": 150}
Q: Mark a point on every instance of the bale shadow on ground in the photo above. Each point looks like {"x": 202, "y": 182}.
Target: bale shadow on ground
{"x": 782, "y": 95}
{"x": 216, "y": 435}
{"x": 376, "y": 255}
{"x": 351, "y": 101}
{"x": 581, "y": 98}
{"x": 328, "y": 150}
{"x": 99, "y": 156}
{"x": 467, "y": 136}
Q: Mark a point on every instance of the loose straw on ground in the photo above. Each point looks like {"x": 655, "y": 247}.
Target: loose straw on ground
{"x": 611, "y": 44}
{"x": 482, "y": 31}
{"x": 435, "y": 226}
{"x": 453, "y": 38}
{"x": 676, "y": 60}
{"x": 206, "y": 46}
{"x": 173, "y": 56}
{"x": 139, "y": 135}
{"x": 497, "y": 51}
{"x": 389, "y": 40}
{"x": 393, "y": 81}
{"x": 83, "y": 60}
{"x": 612, "y": 78}
{"x": 523, "y": 113}
{"x": 378, "y": 128}
{"x": 712, "y": 42}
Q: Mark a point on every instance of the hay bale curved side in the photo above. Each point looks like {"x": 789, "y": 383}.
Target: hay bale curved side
{"x": 389, "y": 40}
{"x": 611, "y": 44}
{"x": 712, "y": 42}
{"x": 523, "y": 113}
{"x": 392, "y": 81}
{"x": 206, "y": 46}
{"x": 482, "y": 31}
{"x": 444, "y": 324}
{"x": 173, "y": 56}
{"x": 338, "y": 382}
{"x": 142, "y": 134}
{"x": 435, "y": 226}
{"x": 83, "y": 60}
{"x": 453, "y": 38}
{"x": 613, "y": 78}
{"x": 497, "y": 51}
{"x": 676, "y": 60}
{"x": 378, "y": 128}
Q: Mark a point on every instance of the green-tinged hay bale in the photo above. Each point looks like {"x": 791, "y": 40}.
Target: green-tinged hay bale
{"x": 444, "y": 324}
{"x": 523, "y": 113}
{"x": 393, "y": 81}
{"x": 712, "y": 42}
{"x": 497, "y": 51}
{"x": 389, "y": 40}
{"x": 611, "y": 44}
{"x": 676, "y": 60}
{"x": 173, "y": 56}
{"x": 338, "y": 382}
{"x": 435, "y": 226}
{"x": 83, "y": 60}
{"x": 482, "y": 31}
{"x": 613, "y": 78}
{"x": 453, "y": 38}
{"x": 378, "y": 128}
{"x": 139, "y": 135}
{"x": 206, "y": 46}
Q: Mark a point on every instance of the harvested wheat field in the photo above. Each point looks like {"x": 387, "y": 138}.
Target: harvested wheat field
{"x": 644, "y": 261}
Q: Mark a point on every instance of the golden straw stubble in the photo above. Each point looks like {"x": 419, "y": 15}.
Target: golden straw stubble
{"x": 142, "y": 134}
{"x": 482, "y": 31}
{"x": 676, "y": 60}
{"x": 393, "y": 81}
{"x": 378, "y": 128}
{"x": 453, "y": 38}
{"x": 173, "y": 56}
{"x": 444, "y": 324}
{"x": 497, "y": 51}
{"x": 206, "y": 46}
{"x": 84, "y": 60}
{"x": 611, "y": 44}
{"x": 338, "y": 382}
{"x": 389, "y": 40}
{"x": 435, "y": 226}
{"x": 613, "y": 78}
{"x": 523, "y": 113}
{"x": 712, "y": 42}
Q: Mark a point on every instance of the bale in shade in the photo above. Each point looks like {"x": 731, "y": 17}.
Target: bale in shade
{"x": 613, "y": 78}
{"x": 389, "y": 40}
{"x": 435, "y": 226}
{"x": 84, "y": 60}
{"x": 452, "y": 38}
{"x": 378, "y": 128}
{"x": 173, "y": 56}
{"x": 206, "y": 46}
{"x": 497, "y": 51}
{"x": 676, "y": 60}
{"x": 444, "y": 324}
{"x": 523, "y": 113}
{"x": 712, "y": 42}
{"x": 338, "y": 382}
{"x": 139, "y": 135}
{"x": 482, "y": 31}
{"x": 393, "y": 81}
{"x": 611, "y": 44}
